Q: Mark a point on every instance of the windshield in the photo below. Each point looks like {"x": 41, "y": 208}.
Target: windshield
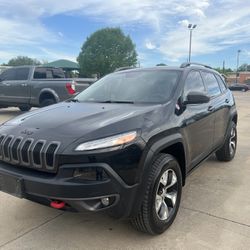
{"x": 148, "y": 86}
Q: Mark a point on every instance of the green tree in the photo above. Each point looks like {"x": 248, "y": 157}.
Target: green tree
{"x": 244, "y": 67}
{"x": 23, "y": 60}
{"x": 225, "y": 71}
{"x": 161, "y": 64}
{"x": 106, "y": 50}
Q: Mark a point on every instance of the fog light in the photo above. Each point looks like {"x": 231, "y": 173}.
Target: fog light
{"x": 105, "y": 201}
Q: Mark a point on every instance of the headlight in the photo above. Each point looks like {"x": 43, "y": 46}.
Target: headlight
{"x": 108, "y": 142}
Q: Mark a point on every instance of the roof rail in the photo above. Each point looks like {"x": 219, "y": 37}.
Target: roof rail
{"x": 187, "y": 64}
{"x": 124, "y": 68}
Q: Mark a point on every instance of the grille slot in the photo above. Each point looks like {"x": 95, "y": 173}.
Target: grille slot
{"x": 14, "y": 149}
{"x": 37, "y": 153}
{"x": 50, "y": 155}
{"x": 25, "y": 152}
{"x": 1, "y": 140}
{"x": 6, "y": 144}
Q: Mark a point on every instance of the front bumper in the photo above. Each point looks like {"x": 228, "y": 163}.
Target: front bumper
{"x": 78, "y": 195}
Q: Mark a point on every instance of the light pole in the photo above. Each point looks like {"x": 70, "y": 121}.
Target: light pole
{"x": 238, "y": 59}
{"x": 190, "y": 27}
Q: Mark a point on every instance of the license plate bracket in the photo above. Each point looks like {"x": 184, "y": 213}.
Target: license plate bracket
{"x": 12, "y": 185}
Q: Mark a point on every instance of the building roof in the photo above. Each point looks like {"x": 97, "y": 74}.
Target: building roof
{"x": 65, "y": 64}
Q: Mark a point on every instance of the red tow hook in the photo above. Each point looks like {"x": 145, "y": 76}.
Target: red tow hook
{"x": 57, "y": 204}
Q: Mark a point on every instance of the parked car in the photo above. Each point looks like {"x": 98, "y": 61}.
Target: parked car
{"x": 125, "y": 145}
{"x": 30, "y": 86}
{"x": 239, "y": 87}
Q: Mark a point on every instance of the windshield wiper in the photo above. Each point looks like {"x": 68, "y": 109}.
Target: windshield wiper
{"x": 109, "y": 101}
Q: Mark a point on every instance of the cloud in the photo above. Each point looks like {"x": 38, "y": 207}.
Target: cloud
{"x": 150, "y": 45}
{"x": 219, "y": 25}
{"x": 184, "y": 22}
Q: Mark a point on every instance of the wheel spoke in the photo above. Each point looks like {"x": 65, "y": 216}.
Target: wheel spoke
{"x": 163, "y": 212}
{"x": 164, "y": 179}
{"x": 172, "y": 197}
{"x": 158, "y": 202}
{"x": 232, "y": 133}
{"x": 173, "y": 180}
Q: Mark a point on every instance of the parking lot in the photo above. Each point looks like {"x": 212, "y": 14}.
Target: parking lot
{"x": 214, "y": 213}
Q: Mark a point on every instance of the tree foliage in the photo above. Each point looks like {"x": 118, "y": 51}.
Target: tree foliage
{"x": 161, "y": 64}
{"x": 23, "y": 60}
{"x": 244, "y": 67}
{"x": 224, "y": 71}
{"x": 106, "y": 50}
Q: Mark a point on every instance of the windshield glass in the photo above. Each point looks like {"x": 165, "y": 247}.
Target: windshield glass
{"x": 148, "y": 86}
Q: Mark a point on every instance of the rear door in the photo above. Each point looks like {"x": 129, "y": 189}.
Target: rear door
{"x": 7, "y": 78}
{"x": 14, "y": 86}
{"x": 199, "y": 121}
{"x": 219, "y": 104}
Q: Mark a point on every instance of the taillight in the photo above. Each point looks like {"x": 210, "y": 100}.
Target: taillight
{"x": 71, "y": 87}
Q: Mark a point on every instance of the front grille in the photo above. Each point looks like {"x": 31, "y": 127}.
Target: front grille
{"x": 39, "y": 154}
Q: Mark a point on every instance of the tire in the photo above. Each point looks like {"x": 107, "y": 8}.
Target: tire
{"x": 228, "y": 150}
{"x": 47, "y": 102}
{"x": 25, "y": 108}
{"x": 160, "y": 204}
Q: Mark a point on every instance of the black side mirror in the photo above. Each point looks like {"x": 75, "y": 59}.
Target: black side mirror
{"x": 197, "y": 98}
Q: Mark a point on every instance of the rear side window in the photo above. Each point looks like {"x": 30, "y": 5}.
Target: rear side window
{"x": 40, "y": 73}
{"x": 211, "y": 84}
{"x": 221, "y": 83}
{"x": 22, "y": 74}
{"x": 193, "y": 83}
{"x": 48, "y": 73}
{"x": 58, "y": 73}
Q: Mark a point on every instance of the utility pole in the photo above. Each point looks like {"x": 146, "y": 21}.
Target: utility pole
{"x": 190, "y": 27}
{"x": 223, "y": 67}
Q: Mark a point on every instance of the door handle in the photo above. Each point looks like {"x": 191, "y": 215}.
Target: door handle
{"x": 210, "y": 108}
{"x": 227, "y": 100}
{"x": 24, "y": 84}
{"x": 6, "y": 84}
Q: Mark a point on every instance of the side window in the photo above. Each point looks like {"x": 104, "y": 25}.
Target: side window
{"x": 49, "y": 74}
{"x": 221, "y": 83}
{"x": 40, "y": 73}
{"x": 8, "y": 75}
{"x": 211, "y": 84}
{"x": 57, "y": 73}
{"x": 193, "y": 83}
{"x": 22, "y": 74}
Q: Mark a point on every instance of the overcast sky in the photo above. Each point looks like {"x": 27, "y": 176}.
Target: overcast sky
{"x": 55, "y": 29}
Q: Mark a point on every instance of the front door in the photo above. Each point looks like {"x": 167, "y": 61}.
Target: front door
{"x": 199, "y": 121}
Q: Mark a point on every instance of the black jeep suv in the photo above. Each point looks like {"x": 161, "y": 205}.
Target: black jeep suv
{"x": 124, "y": 145}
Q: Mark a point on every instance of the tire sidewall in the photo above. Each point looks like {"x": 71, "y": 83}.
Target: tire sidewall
{"x": 25, "y": 108}
{"x": 47, "y": 102}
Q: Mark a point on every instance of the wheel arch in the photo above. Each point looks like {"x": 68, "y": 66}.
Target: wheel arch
{"x": 48, "y": 93}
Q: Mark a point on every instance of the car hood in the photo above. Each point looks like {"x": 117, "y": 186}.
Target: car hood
{"x": 82, "y": 120}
